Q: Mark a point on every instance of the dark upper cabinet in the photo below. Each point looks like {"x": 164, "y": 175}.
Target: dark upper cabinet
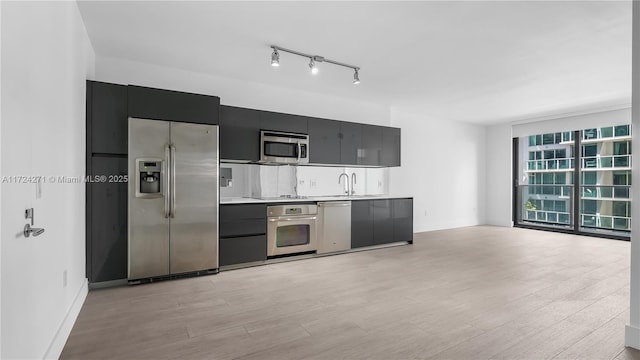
{"x": 106, "y": 118}
{"x": 239, "y": 133}
{"x": 382, "y": 221}
{"x": 402, "y": 219}
{"x": 390, "y": 155}
{"x": 351, "y": 142}
{"x": 371, "y": 145}
{"x": 324, "y": 141}
{"x": 283, "y": 122}
{"x": 361, "y": 223}
{"x": 158, "y": 104}
{"x": 107, "y": 251}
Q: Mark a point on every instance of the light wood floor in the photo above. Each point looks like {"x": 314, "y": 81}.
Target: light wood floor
{"x": 470, "y": 293}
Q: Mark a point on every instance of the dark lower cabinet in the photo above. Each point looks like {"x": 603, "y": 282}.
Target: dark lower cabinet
{"x": 382, "y": 222}
{"x": 107, "y": 214}
{"x": 243, "y": 229}
{"x": 361, "y": 224}
{"x": 107, "y": 121}
{"x": 239, "y": 133}
{"x": 159, "y": 104}
{"x": 243, "y": 249}
{"x": 403, "y": 220}
{"x": 377, "y": 222}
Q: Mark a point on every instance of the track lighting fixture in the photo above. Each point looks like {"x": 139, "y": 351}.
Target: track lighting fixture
{"x": 313, "y": 59}
{"x": 275, "y": 58}
{"x": 313, "y": 67}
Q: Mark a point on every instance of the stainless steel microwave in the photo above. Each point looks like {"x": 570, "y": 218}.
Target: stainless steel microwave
{"x": 283, "y": 148}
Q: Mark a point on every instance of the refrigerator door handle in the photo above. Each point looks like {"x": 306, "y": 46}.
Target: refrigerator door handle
{"x": 167, "y": 160}
{"x": 173, "y": 181}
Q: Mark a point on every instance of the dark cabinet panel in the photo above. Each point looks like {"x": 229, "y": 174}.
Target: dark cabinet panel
{"x": 361, "y": 223}
{"x": 244, "y": 249}
{"x": 324, "y": 141}
{"x": 239, "y": 133}
{"x": 351, "y": 142}
{"x": 149, "y": 103}
{"x": 283, "y": 122}
{"x": 371, "y": 145}
{"x": 107, "y": 118}
{"x": 235, "y": 212}
{"x": 382, "y": 222}
{"x": 402, "y": 219}
{"x": 242, "y": 227}
{"x": 108, "y": 217}
{"x": 390, "y": 155}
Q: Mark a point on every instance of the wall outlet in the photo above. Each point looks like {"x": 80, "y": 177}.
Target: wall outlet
{"x": 301, "y": 182}
{"x": 64, "y": 278}
{"x": 425, "y": 213}
{"x": 313, "y": 183}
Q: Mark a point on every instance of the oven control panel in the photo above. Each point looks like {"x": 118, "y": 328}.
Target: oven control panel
{"x": 293, "y": 211}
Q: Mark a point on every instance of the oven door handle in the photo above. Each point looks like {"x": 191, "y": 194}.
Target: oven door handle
{"x": 294, "y": 218}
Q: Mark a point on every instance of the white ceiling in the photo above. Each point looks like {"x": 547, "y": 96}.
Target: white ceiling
{"x": 479, "y": 61}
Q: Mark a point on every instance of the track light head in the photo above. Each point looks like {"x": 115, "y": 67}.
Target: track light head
{"x": 275, "y": 58}
{"x": 313, "y": 67}
{"x": 356, "y": 78}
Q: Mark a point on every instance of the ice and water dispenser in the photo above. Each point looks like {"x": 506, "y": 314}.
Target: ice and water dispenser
{"x": 148, "y": 178}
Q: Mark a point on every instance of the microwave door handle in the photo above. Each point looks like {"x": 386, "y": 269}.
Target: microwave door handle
{"x": 299, "y": 151}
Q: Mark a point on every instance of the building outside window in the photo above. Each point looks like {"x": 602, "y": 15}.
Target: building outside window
{"x": 602, "y": 201}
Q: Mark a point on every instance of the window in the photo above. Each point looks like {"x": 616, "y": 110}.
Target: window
{"x": 548, "y": 195}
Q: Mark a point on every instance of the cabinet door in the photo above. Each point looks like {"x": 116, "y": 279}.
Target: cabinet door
{"x": 239, "y": 133}
{"x": 402, "y": 219}
{"x": 107, "y": 118}
{"x": 283, "y": 122}
{"x": 390, "y": 146}
{"x": 244, "y": 249}
{"x": 158, "y": 104}
{"x": 243, "y": 219}
{"x": 108, "y": 222}
{"x": 361, "y": 224}
{"x": 324, "y": 141}
{"x": 371, "y": 145}
{"x": 382, "y": 222}
{"x": 350, "y": 143}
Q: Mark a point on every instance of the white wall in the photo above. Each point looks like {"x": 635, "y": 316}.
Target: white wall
{"x": 241, "y": 93}
{"x": 499, "y": 174}
{"x": 46, "y": 57}
{"x": 443, "y": 167}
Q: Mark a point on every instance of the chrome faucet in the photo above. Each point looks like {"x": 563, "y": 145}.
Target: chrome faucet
{"x": 346, "y": 182}
{"x": 353, "y": 182}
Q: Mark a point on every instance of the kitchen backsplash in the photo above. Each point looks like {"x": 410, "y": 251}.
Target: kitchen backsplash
{"x": 250, "y": 180}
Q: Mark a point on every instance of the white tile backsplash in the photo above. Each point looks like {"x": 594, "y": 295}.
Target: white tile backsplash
{"x": 251, "y": 180}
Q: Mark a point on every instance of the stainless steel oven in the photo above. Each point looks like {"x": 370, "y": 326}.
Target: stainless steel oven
{"x": 291, "y": 229}
{"x": 284, "y": 148}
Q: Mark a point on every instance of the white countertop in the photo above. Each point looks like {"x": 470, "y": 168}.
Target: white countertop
{"x": 249, "y": 200}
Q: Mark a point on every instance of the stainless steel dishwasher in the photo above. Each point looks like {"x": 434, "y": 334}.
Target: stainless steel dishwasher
{"x": 334, "y": 226}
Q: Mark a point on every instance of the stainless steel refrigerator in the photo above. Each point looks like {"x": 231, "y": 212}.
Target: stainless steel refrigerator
{"x": 173, "y": 198}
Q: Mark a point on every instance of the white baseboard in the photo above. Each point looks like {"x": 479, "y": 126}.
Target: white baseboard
{"x": 632, "y": 337}
{"x": 60, "y": 339}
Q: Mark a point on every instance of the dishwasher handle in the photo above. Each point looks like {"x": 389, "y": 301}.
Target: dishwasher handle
{"x": 334, "y": 203}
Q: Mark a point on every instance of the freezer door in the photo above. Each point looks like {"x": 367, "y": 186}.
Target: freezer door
{"x": 194, "y": 197}
{"x": 148, "y": 215}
